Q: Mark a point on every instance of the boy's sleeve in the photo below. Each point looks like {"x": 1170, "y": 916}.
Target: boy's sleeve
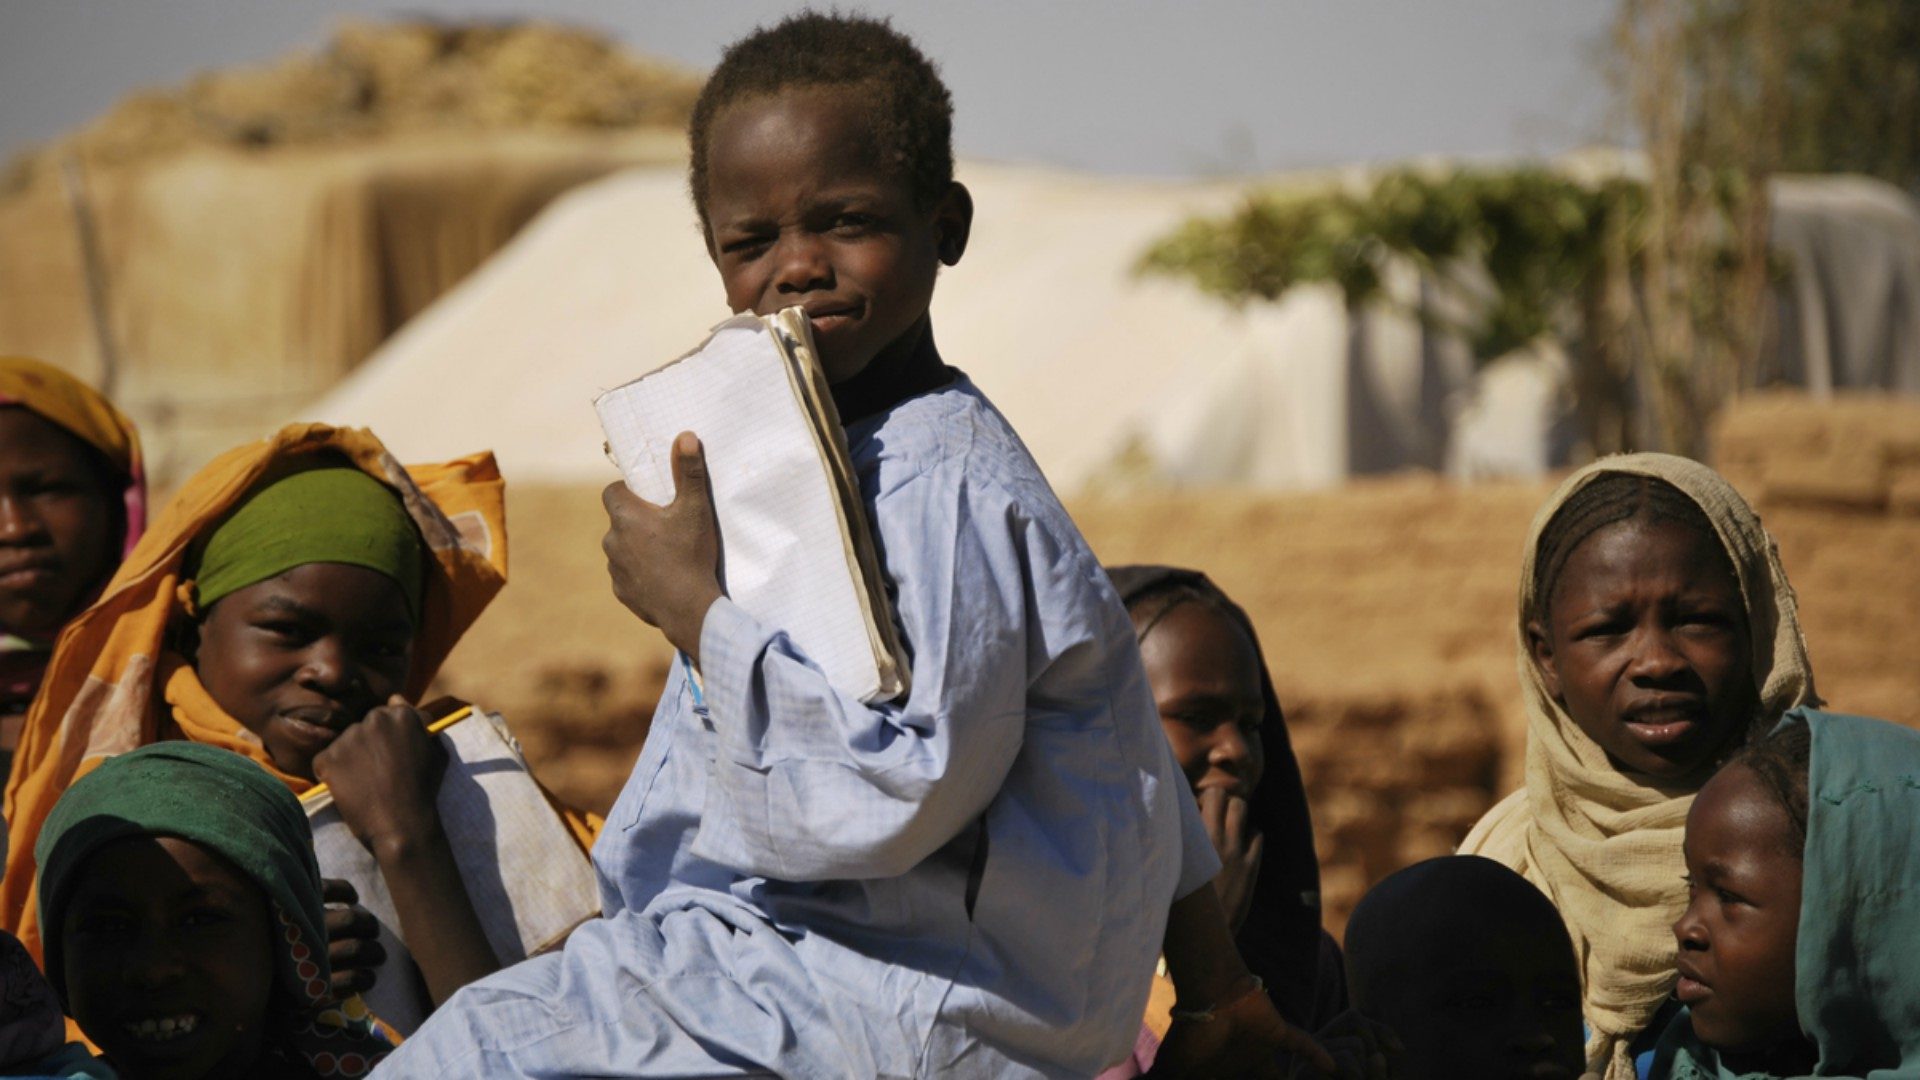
{"x": 1199, "y": 863}
{"x": 811, "y": 784}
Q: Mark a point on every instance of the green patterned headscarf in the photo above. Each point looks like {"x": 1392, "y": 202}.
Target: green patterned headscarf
{"x": 332, "y": 514}
{"x": 1857, "y": 958}
{"x": 230, "y": 806}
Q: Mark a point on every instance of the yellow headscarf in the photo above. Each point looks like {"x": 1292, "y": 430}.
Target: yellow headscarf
{"x": 1603, "y": 847}
{"x": 113, "y": 685}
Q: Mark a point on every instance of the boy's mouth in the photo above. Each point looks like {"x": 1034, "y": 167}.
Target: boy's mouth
{"x": 1663, "y": 723}
{"x": 826, "y": 318}
{"x": 1690, "y": 989}
{"x": 315, "y": 728}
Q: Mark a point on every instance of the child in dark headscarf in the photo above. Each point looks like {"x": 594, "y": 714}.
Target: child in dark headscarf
{"x": 184, "y": 923}
{"x": 1799, "y": 950}
{"x": 1471, "y": 967}
{"x": 1223, "y": 719}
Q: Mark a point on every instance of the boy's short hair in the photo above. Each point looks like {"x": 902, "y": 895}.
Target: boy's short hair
{"x": 911, "y": 110}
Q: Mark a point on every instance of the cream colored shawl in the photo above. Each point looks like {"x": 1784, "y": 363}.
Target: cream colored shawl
{"x": 1604, "y": 846}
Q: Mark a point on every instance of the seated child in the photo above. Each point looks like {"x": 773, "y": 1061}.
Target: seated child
{"x": 294, "y": 596}
{"x": 183, "y": 915}
{"x": 1799, "y": 951}
{"x": 971, "y": 881}
{"x": 1472, "y": 968}
{"x": 72, "y": 503}
{"x": 1222, "y": 718}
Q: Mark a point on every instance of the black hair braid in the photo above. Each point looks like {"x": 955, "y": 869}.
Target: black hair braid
{"x": 1609, "y": 500}
{"x": 910, "y": 110}
{"x": 1781, "y": 760}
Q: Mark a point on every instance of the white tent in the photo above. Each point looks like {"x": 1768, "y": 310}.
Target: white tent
{"x": 1044, "y": 313}
{"x": 1107, "y": 376}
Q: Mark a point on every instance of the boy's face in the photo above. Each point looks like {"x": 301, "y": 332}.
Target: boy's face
{"x": 168, "y": 961}
{"x": 801, "y": 211}
{"x": 1742, "y": 921}
{"x": 1486, "y": 1004}
{"x": 299, "y": 657}
{"x": 58, "y": 524}
{"x": 1646, "y": 646}
{"x": 1206, "y": 683}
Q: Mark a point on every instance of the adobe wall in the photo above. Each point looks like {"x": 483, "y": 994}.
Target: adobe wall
{"x": 1385, "y": 609}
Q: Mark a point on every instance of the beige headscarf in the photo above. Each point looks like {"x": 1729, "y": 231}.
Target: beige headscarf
{"x": 1603, "y": 846}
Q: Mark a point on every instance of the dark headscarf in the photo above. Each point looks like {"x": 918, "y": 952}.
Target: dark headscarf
{"x": 1280, "y": 940}
{"x": 230, "y": 806}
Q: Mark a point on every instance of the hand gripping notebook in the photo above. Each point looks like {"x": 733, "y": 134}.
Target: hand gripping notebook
{"x": 796, "y": 553}
{"x": 528, "y": 879}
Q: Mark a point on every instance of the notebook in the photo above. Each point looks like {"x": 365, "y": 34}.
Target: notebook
{"x": 528, "y": 879}
{"x": 796, "y": 552}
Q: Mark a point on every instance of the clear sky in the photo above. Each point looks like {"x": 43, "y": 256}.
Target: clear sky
{"x": 1174, "y": 87}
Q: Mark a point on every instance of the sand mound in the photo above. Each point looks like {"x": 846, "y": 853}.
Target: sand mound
{"x": 385, "y": 80}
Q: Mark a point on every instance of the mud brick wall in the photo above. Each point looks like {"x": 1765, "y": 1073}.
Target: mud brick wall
{"x": 1385, "y": 608}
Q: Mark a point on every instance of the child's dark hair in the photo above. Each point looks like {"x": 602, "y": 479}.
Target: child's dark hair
{"x": 910, "y": 110}
{"x": 1149, "y": 607}
{"x": 1780, "y": 760}
{"x": 1610, "y": 500}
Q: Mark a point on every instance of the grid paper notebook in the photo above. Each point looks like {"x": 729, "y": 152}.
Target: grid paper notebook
{"x": 528, "y": 879}
{"x": 795, "y": 550}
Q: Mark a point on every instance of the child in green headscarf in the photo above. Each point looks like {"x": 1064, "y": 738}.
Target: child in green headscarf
{"x": 184, "y": 923}
{"x": 1800, "y": 946}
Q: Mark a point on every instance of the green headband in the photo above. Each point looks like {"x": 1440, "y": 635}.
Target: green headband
{"x": 332, "y": 514}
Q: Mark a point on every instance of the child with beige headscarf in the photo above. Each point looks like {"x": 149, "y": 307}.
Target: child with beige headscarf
{"x": 1657, "y": 634}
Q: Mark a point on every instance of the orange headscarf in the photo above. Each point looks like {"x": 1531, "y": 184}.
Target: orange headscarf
{"x": 99, "y": 697}
{"x": 64, "y": 400}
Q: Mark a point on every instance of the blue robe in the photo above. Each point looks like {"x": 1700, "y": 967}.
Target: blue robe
{"x": 971, "y": 882}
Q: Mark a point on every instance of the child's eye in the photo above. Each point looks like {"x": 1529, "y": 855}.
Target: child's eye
{"x": 744, "y": 245}
{"x": 852, "y": 224}
{"x": 101, "y": 923}
{"x": 208, "y": 916}
{"x": 285, "y": 631}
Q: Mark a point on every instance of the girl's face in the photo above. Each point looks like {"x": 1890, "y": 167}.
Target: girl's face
{"x": 801, "y": 211}
{"x": 299, "y": 657}
{"x": 1205, "y": 676}
{"x": 1742, "y": 920}
{"x": 168, "y": 960}
{"x": 60, "y": 530}
{"x": 1646, "y": 646}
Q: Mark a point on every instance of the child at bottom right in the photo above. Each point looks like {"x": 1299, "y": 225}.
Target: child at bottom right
{"x": 1799, "y": 951}
{"x": 1472, "y": 968}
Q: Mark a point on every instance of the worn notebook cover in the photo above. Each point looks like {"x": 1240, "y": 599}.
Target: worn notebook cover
{"x": 796, "y": 551}
{"x": 528, "y": 879}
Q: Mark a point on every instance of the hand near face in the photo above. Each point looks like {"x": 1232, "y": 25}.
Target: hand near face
{"x": 1239, "y": 844}
{"x": 354, "y": 952}
{"x": 385, "y": 775}
{"x": 665, "y": 560}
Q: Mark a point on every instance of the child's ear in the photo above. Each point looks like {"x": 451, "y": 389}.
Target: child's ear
{"x": 1540, "y": 644}
{"x": 953, "y": 218}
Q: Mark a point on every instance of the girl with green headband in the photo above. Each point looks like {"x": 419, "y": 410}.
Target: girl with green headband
{"x": 291, "y": 602}
{"x": 185, "y": 923}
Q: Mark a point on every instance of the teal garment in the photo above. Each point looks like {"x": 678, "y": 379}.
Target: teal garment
{"x": 1858, "y": 955}
{"x": 70, "y": 1062}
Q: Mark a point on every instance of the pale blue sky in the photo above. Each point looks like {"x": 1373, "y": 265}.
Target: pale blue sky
{"x": 1125, "y": 86}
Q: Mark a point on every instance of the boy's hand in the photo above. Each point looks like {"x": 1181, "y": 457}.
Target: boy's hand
{"x": 1245, "y": 1038}
{"x": 354, "y": 952}
{"x": 1239, "y": 844}
{"x": 385, "y": 774}
{"x": 665, "y": 560}
{"x": 1360, "y": 1045}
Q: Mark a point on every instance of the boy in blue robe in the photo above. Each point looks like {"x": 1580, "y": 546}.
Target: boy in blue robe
{"x": 972, "y": 881}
